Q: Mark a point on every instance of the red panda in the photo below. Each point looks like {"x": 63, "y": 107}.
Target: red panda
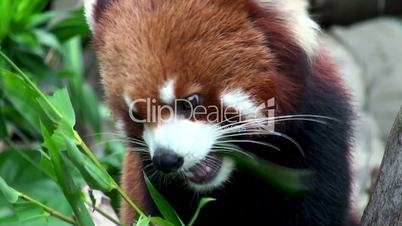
{"x": 162, "y": 61}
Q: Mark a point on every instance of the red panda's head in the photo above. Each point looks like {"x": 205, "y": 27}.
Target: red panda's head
{"x": 182, "y": 73}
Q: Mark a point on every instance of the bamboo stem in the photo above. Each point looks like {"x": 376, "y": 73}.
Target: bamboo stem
{"x": 122, "y": 193}
{"x": 51, "y": 211}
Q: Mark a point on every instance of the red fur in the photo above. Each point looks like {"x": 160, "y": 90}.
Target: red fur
{"x": 205, "y": 45}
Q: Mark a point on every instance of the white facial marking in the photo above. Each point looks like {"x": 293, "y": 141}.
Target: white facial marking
{"x": 219, "y": 180}
{"x": 191, "y": 140}
{"x": 241, "y": 101}
{"x": 166, "y": 92}
{"x": 89, "y": 6}
{"x": 304, "y": 29}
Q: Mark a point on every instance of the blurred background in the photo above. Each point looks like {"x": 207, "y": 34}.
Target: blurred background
{"x": 50, "y": 41}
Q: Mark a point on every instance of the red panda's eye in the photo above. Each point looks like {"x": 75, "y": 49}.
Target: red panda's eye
{"x": 192, "y": 101}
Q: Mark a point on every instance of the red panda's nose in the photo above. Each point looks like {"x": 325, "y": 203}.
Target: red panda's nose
{"x": 166, "y": 160}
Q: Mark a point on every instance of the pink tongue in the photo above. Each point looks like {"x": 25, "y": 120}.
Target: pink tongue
{"x": 201, "y": 174}
{"x": 204, "y": 171}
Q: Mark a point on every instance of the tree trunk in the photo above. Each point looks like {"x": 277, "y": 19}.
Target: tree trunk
{"x": 385, "y": 206}
{"x": 350, "y": 11}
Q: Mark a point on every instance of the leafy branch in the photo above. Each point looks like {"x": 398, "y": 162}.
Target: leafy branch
{"x": 13, "y": 195}
{"x": 56, "y": 121}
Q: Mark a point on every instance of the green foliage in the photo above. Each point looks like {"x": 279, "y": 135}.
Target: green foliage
{"x": 203, "y": 202}
{"x": 23, "y": 176}
{"x": 70, "y": 189}
{"x": 27, "y": 33}
{"x": 46, "y": 47}
{"x": 55, "y": 119}
{"x": 293, "y": 182}
{"x": 143, "y": 221}
{"x": 9, "y": 193}
{"x": 164, "y": 207}
{"x": 96, "y": 177}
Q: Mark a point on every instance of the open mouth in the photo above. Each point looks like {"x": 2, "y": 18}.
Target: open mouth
{"x": 205, "y": 171}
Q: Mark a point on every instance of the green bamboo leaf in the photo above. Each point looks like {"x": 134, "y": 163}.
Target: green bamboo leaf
{"x": 37, "y": 94}
{"x": 47, "y": 115}
{"x": 86, "y": 103}
{"x": 3, "y": 128}
{"x": 73, "y": 60}
{"x": 34, "y": 105}
{"x": 164, "y": 207}
{"x": 35, "y": 65}
{"x": 29, "y": 102}
{"x": 71, "y": 26}
{"x": 18, "y": 121}
{"x": 93, "y": 112}
{"x": 95, "y": 177}
{"x": 115, "y": 158}
{"x": 294, "y": 182}
{"x": 28, "y": 40}
{"x": 201, "y": 204}
{"x": 30, "y": 214}
{"x": 9, "y": 220}
{"x": 42, "y": 18}
{"x": 46, "y": 165}
{"x": 9, "y": 193}
{"x": 160, "y": 221}
{"x": 5, "y": 18}
{"x": 19, "y": 173}
{"x": 70, "y": 190}
{"x": 22, "y": 98}
{"x": 61, "y": 100}
{"x": 29, "y": 7}
{"x": 144, "y": 221}
{"x": 47, "y": 39}
{"x": 62, "y": 121}
{"x": 25, "y": 214}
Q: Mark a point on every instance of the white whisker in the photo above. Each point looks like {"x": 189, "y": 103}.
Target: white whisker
{"x": 223, "y": 149}
{"x": 249, "y": 141}
{"x": 313, "y": 118}
{"x": 265, "y": 133}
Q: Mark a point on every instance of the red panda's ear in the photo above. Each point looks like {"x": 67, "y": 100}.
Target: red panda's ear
{"x": 93, "y": 9}
{"x": 295, "y": 15}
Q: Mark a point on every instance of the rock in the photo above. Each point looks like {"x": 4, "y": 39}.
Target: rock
{"x": 376, "y": 47}
{"x": 369, "y": 56}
